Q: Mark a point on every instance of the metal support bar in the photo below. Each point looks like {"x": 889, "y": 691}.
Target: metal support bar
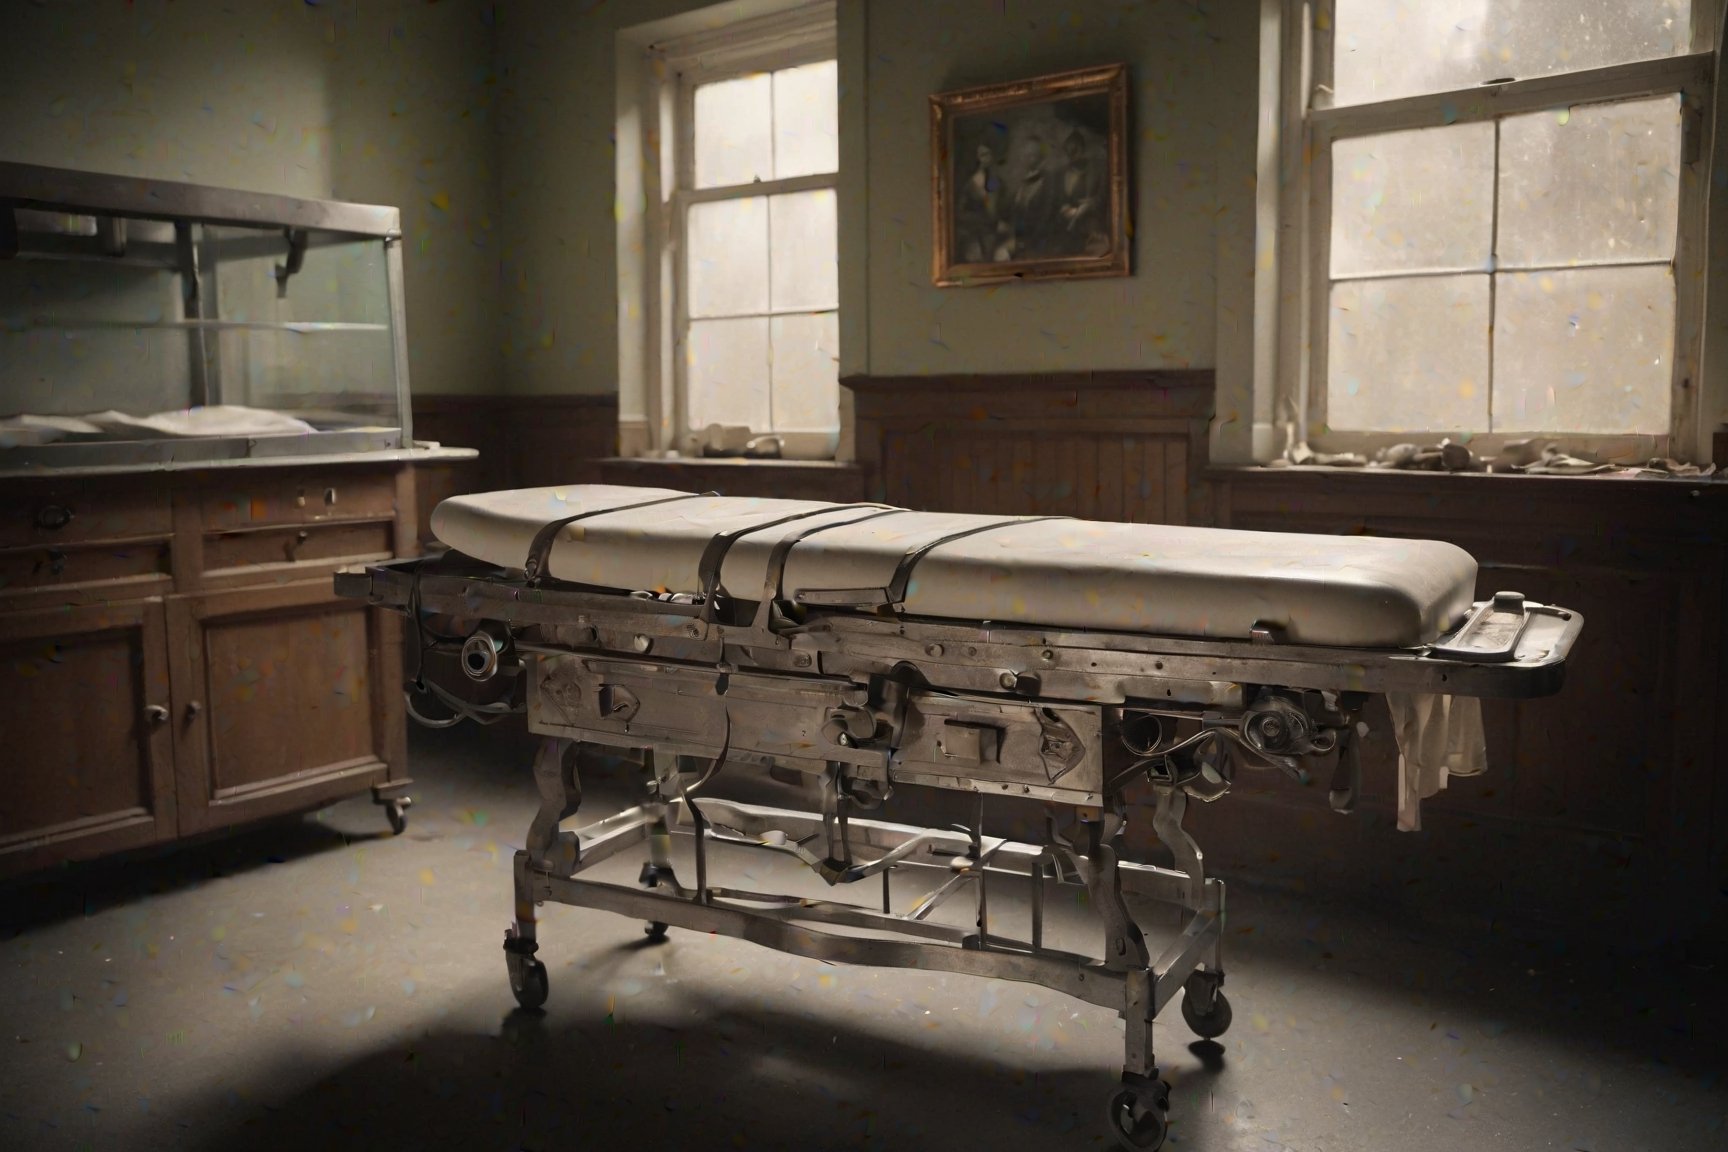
{"x": 1090, "y": 981}
{"x": 1183, "y": 955}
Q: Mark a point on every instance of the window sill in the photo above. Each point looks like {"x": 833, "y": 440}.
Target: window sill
{"x": 1228, "y": 472}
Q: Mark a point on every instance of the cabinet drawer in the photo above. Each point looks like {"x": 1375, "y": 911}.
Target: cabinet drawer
{"x": 57, "y": 514}
{"x": 261, "y": 501}
{"x": 311, "y": 544}
{"x": 56, "y": 567}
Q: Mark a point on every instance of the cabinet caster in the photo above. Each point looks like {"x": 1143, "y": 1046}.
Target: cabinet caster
{"x": 655, "y": 930}
{"x": 1204, "y": 1007}
{"x": 1138, "y": 1114}
{"x": 528, "y": 980}
{"x": 396, "y": 811}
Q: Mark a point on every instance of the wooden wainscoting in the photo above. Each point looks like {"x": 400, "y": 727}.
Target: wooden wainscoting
{"x": 1626, "y": 767}
{"x": 523, "y": 441}
{"x": 1100, "y": 445}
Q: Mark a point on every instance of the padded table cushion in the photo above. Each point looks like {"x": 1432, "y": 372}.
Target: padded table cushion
{"x": 1352, "y": 591}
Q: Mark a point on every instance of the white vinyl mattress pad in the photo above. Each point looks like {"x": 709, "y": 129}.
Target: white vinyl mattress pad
{"x": 1157, "y": 579}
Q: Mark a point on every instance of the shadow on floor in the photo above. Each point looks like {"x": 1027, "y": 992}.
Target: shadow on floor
{"x": 85, "y": 889}
{"x": 738, "y": 1076}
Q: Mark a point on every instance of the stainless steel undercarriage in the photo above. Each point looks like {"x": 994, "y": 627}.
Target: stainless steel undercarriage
{"x": 864, "y": 704}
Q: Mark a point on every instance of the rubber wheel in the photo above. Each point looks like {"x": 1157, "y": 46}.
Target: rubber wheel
{"x": 397, "y": 813}
{"x": 655, "y": 930}
{"x": 1138, "y": 1116}
{"x": 1210, "y": 1025}
{"x": 535, "y": 985}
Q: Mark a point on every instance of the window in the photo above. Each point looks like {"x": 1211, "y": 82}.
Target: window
{"x": 749, "y": 229}
{"x": 1503, "y": 221}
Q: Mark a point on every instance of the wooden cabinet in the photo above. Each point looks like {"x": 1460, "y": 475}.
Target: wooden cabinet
{"x": 174, "y": 660}
{"x": 90, "y": 760}
{"x": 284, "y": 698}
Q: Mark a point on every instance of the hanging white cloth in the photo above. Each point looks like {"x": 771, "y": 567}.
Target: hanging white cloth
{"x": 1438, "y": 737}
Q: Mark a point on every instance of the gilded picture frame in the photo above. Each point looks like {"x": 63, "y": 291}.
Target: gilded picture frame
{"x": 1030, "y": 179}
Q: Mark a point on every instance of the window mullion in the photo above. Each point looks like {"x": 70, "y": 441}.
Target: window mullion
{"x": 1493, "y": 272}
{"x": 1486, "y": 102}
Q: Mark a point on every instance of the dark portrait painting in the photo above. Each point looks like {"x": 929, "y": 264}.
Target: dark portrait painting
{"x": 1030, "y": 179}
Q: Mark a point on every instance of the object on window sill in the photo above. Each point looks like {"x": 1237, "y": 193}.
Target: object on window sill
{"x": 1663, "y": 466}
{"x": 763, "y": 448}
{"x": 721, "y": 440}
{"x": 1445, "y": 456}
{"x": 1299, "y": 453}
{"x": 1548, "y": 461}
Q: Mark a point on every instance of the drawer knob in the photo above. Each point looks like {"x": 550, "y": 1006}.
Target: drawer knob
{"x": 53, "y": 517}
{"x": 155, "y": 713}
{"x": 193, "y": 707}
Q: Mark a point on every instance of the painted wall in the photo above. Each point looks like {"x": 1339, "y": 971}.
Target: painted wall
{"x": 1194, "y": 77}
{"x": 386, "y": 102}
{"x": 557, "y": 155}
{"x": 1190, "y": 65}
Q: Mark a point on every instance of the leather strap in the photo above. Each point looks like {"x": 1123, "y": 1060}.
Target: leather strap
{"x": 539, "y": 551}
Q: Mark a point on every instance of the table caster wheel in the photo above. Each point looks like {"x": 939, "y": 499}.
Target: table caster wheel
{"x": 1138, "y": 1117}
{"x": 1210, "y": 1024}
{"x": 532, "y": 987}
{"x": 655, "y": 930}
{"x": 396, "y": 811}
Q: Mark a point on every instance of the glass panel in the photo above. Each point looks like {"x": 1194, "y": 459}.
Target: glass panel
{"x": 1596, "y": 182}
{"x": 1409, "y": 355}
{"x": 803, "y": 246}
{"x": 79, "y": 336}
{"x": 1585, "y": 350}
{"x": 807, "y": 372}
{"x": 806, "y": 113}
{"x": 728, "y": 262}
{"x": 1389, "y": 48}
{"x": 1418, "y": 201}
{"x": 315, "y": 342}
{"x": 728, "y": 373}
{"x": 733, "y": 132}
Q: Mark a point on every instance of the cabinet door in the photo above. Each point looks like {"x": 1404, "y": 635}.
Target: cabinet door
{"x": 88, "y": 761}
{"x": 285, "y": 698}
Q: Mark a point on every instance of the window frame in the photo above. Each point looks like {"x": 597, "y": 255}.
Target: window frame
{"x": 806, "y": 35}
{"x": 1312, "y": 123}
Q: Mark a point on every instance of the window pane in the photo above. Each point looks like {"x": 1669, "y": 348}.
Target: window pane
{"x": 806, "y": 111}
{"x": 728, "y": 260}
{"x": 1388, "y": 48}
{"x": 1586, "y": 350}
{"x": 805, "y": 273}
{"x": 1419, "y": 201}
{"x": 728, "y": 372}
{"x": 733, "y": 134}
{"x": 1409, "y": 355}
{"x": 1597, "y": 182}
{"x": 807, "y": 373}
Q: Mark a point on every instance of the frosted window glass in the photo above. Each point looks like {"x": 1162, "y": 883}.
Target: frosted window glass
{"x": 1409, "y": 355}
{"x": 1596, "y": 182}
{"x": 1584, "y": 350}
{"x": 806, "y": 113}
{"x": 1388, "y": 48}
{"x": 727, "y": 377}
{"x": 807, "y": 372}
{"x": 728, "y": 257}
{"x": 734, "y": 131}
{"x": 803, "y": 246}
{"x": 1417, "y": 201}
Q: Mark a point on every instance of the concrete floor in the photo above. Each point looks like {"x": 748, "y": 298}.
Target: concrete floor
{"x": 319, "y": 984}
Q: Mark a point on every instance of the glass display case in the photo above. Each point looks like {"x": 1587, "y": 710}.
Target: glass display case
{"x": 146, "y": 322}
